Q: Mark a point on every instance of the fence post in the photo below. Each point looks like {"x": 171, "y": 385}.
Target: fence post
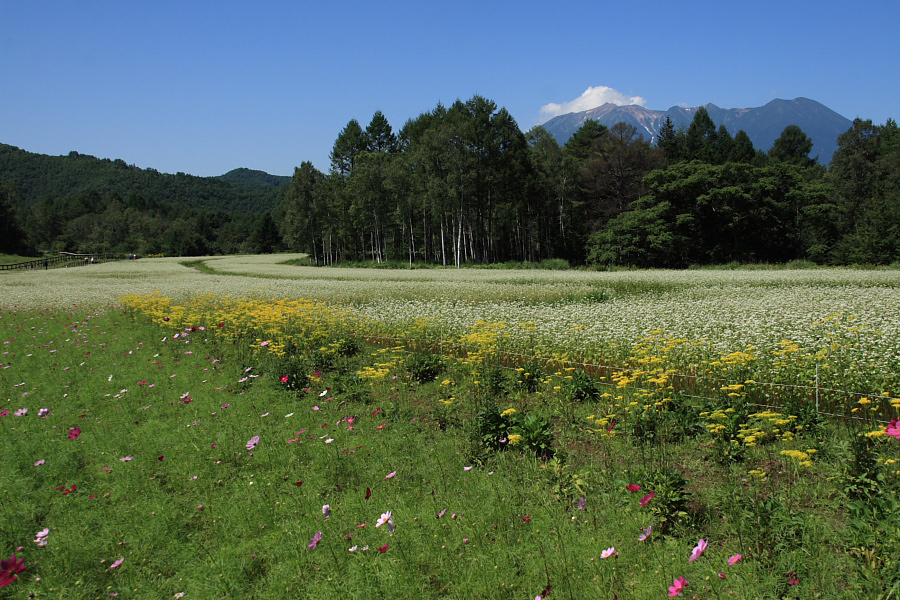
{"x": 817, "y": 387}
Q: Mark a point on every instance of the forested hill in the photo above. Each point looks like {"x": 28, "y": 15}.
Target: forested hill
{"x": 252, "y": 178}
{"x": 39, "y": 176}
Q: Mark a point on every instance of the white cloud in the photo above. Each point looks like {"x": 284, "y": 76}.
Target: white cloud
{"x": 591, "y": 98}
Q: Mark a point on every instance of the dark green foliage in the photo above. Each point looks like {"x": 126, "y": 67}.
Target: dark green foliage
{"x": 12, "y": 237}
{"x": 424, "y": 368}
{"x": 582, "y": 388}
{"x": 38, "y": 176}
{"x": 793, "y": 146}
{"x": 531, "y": 433}
{"x": 670, "y": 499}
{"x": 528, "y": 377}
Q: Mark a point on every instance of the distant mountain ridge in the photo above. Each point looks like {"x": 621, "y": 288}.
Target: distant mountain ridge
{"x": 39, "y": 176}
{"x": 762, "y": 124}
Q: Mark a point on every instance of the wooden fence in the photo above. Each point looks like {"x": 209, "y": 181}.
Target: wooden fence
{"x": 64, "y": 259}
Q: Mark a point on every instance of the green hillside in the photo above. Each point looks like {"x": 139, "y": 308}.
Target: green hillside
{"x": 38, "y": 176}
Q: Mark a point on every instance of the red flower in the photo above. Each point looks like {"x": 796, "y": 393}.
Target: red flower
{"x": 160, "y": 457}
{"x": 221, "y": 325}
{"x": 526, "y": 519}
{"x": 647, "y": 498}
{"x": 70, "y": 490}
{"x": 368, "y": 493}
{"x": 10, "y": 568}
{"x": 299, "y": 483}
{"x": 74, "y": 433}
{"x": 632, "y": 487}
{"x": 383, "y": 548}
{"x": 284, "y": 379}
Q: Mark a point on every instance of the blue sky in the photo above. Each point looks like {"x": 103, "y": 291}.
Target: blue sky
{"x": 205, "y": 87}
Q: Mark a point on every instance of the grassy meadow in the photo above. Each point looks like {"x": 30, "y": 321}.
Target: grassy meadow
{"x": 237, "y": 427}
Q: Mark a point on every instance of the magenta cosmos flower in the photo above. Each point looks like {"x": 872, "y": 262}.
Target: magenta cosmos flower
{"x": 677, "y": 586}
{"x": 253, "y": 442}
{"x": 9, "y": 570}
{"x": 698, "y": 551}
{"x": 893, "y": 429}
{"x": 647, "y": 498}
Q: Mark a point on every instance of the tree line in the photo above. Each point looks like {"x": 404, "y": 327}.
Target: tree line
{"x": 463, "y": 184}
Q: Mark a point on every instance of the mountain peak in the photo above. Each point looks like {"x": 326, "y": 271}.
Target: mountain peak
{"x": 763, "y": 124}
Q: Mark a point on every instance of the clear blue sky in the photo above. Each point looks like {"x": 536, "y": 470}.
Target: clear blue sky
{"x": 207, "y": 86}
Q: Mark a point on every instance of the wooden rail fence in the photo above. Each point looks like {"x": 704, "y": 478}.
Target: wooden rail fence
{"x": 64, "y": 259}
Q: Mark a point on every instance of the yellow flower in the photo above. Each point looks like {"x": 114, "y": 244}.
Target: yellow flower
{"x": 508, "y": 411}
{"x": 515, "y": 439}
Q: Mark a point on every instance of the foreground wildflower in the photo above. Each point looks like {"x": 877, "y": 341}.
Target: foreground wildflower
{"x": 253, "y": 442}
{"x": 893, "y": 429}
{"x": 386, "y": 519}
{"x": 611, "y": 551}
{"x": 645, "y": 533}
{"x": 9, "y": 570}
{"x": 74, "y": 433}
{"x": 40, "y": 537}
{"x": 698, "y": 551}
{"x": 326, "y": 510}
{"x": 314, "y": 540}
{"x": 647, "y": 498}
{"x": 117, "y": 563}
{"x": 733, "y": 560}
{"x": 677, "y": 586}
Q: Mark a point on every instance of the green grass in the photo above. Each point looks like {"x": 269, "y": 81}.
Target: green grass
{"x": 184, "y": 410}
{"x": 11, "y": 259}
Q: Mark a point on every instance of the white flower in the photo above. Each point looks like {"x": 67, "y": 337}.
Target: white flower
{"x": 388, "y": 519}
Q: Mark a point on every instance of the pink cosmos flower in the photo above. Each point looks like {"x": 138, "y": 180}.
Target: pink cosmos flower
{"x": 21, "y": 412}
{"x": 733, "y": 560}
{"x": 42, "y": 413}
{"x": 284, "y": 379}
{"x": 326, "y": 510}
{"x": 677, "y": 586}
{"x": 126, "y": 459}
{"x": 647, "y": 498}
{"x": 441, "y": 514}
{"x": 253, "y": 442}
{"x": 386, "y": 519}
{"x": 611, "y": 551}
{"x": 792, "y": 579}
{"x": 117, "y": 563}
{"x": 893, "y": 429}
{"x": 266, "y": 343}
{"x": 632, "y": 487}
{"x": 645, "y": 533}
{"x": 698, "y": 551}
{"x": 581, "y": 503}
{"x": 40, "y": 537}
{"x": 390, "y": 475}
{"x": 74, "y": 433}
{"x": 314, "y": 540}
{"x": 39, "y": 463}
